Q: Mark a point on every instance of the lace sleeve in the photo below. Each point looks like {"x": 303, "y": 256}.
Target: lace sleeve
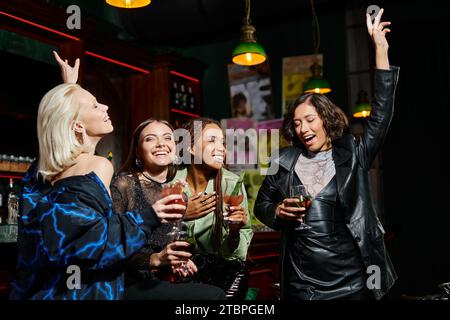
{"x": 119, "y": 196}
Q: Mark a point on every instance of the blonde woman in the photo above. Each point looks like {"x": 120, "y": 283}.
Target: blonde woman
{"x": 71, "y": 243}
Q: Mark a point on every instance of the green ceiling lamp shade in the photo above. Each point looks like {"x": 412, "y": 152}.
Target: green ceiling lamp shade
{"x": 248, "y": 52}
{"x": 362, "y": 108}
{"x": 128, "y": 4}
{"x": 316, "y": 83}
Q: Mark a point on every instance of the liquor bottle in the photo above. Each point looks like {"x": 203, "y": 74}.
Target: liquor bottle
{"x": 13, "y": 204}
{"x": 1, "y": 203}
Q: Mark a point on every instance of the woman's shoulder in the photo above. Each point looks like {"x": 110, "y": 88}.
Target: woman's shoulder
{"x": 124, "y": 179}
{"x": 101, "y": 166}
{"x": 80, "y": 189}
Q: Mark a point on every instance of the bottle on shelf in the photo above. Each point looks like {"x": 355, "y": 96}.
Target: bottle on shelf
{"x": 1, "y": 203}
{"x": 13, "y": 204}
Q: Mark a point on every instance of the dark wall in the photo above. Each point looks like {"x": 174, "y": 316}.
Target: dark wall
{"x": 414, "y": 165}
{"x": 23, "y": 83}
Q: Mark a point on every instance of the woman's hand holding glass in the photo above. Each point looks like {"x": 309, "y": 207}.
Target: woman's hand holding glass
{"x": 172, "y": 255}
{"x": 288, "y": 209}
{"x": 233, "y": 212}
{"x": 187, "y": 269}
{"x": 296, "y": 206}
{"x": 236, "y": 216}
{"x": 168, "y": 210}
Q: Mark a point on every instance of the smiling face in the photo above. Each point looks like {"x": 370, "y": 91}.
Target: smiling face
{"x": 310, "y": 129}
{"x": 156, "y": 145}
{"x": 93, "y": 115}
{"x": 212, "y": 146}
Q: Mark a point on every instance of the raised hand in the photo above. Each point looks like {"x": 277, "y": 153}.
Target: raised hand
{"x": 377, "y": 31}
{"x": 69, "y": 74}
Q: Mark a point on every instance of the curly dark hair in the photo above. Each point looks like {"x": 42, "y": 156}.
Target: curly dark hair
{"x": 335, "y": 121}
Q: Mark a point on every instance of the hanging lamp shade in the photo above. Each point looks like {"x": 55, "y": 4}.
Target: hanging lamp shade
{"x": 362, "y": 107}
{"x": 248, "y": 52}
{"x": 128, "y": 4}
{"x": 316, "y": 83}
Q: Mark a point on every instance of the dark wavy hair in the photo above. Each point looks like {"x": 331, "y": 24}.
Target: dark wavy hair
{"x": 335, "y": 121}
{"x": 218, "y": 213}
{"x": 130, "y": 165}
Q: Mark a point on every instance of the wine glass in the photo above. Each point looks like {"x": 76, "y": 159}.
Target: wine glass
{"x": 186, "y": 233}
{"x": 230, "y": 198}
{"x": 301, "y": 192}
{"x": 175, "y": 188}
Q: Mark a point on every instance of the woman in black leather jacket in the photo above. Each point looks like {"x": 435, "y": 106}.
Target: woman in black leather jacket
{"x": 343, "y": 255}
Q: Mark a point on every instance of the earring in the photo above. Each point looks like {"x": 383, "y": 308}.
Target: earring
{"x": 138, "y": 163}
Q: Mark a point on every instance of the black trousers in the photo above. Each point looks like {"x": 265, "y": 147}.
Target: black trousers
{"x": 154, "y": 289}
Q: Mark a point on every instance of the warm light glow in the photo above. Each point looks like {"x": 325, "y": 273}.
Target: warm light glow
{"x": 319, "y": 90}
{"x": 249, "y": 59}
{"x": 362, "y": 114}
{"x": 128, "y": 4}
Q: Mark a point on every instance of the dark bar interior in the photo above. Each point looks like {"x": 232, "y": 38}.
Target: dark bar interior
{"x": 172, "y": 60}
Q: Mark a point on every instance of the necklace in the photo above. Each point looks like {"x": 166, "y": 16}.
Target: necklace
{"x": 151, "y": 179}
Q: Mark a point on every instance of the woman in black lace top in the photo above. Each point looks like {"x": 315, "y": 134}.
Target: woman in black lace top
{"x": 137, "y": 188}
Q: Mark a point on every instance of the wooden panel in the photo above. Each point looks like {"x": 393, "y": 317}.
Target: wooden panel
{"x": 263, "y": 262}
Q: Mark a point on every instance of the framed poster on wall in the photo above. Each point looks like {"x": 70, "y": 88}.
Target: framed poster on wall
{"x": 250, "y": 92}
{"x": 296, "y": 71}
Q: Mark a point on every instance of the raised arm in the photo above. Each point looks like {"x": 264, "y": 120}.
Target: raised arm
{"x": 385, "y": 82}
{"x": 69, "y": 74}
{"x": 377, "y": 31}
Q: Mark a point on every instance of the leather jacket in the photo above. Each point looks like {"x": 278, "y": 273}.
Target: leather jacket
{"x": 353, "y": 158}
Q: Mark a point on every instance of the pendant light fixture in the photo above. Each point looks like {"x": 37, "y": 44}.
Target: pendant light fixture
{"x": 362, "y": 108}
{"x": 316, "y": 83}
{"x": 128, "y": 4}
{"x": 248, "y": 52}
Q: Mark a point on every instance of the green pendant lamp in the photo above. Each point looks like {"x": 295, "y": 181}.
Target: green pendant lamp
{"x": 248, "y": 52}
{"x": 316, "y": 83}
{"x": 362, "y": 108}
{"x": 128, "y": 4}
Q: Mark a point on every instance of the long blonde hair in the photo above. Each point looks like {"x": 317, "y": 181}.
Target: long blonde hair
{"x": 58, "y": 143}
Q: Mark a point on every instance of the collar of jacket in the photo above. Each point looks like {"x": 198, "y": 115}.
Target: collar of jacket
{"x": 341, "y": 153}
